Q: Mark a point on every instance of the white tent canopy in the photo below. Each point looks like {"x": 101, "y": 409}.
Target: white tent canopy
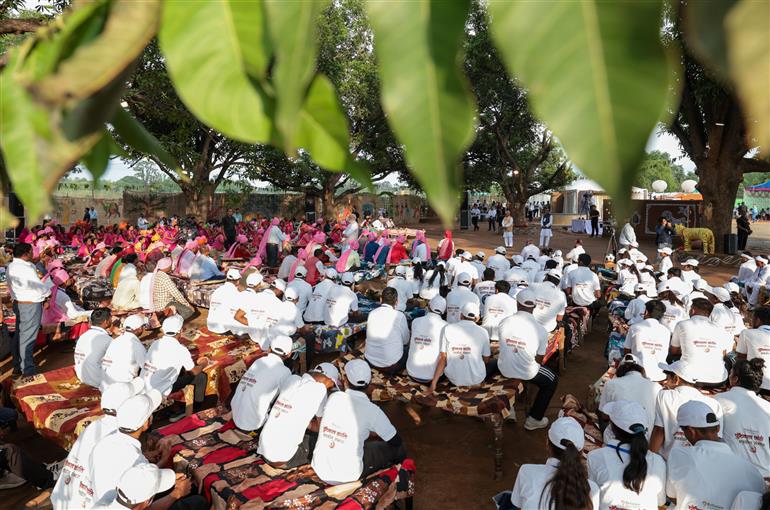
{"x": 583, "y": 185}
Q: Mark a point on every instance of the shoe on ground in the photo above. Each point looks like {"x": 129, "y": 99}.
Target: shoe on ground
{"x": 55, "y": 469}
{"x": 9, "y": 480}
{"x": 533, "y": 424}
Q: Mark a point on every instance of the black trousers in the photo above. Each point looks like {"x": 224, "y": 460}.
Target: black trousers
{"x": 492, "y": 224}
{"x": 546, "y": 382}
{"x": 16, "y": 460}
{"x": 379, "y": 455}
{"x": 397, "y": 366}
{"x": 475, "y": 221}
{"x": 304, "y": 453}
{"x": 191, "y": 502}
{"x": 198, "y": 381}
{"x": 743, "y": 238}
{"x": 272, "y": 254}
{"x": 594, "y": 227}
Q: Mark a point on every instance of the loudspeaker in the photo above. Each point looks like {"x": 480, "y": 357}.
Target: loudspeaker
{"x": 310, "y": 209}
{"x": 730, "y": 244}
{"x": 465, "y": 217}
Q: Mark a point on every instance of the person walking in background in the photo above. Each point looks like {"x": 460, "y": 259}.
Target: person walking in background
{"x": 94, "y": 217}
{"x": 492, "y": 218}
{"x": 545, "y": 229}
{"x": 475, "y": 214}
{"x": 594, "y": 215}
{"x": 228, "y": 225}
{"x": 744, "y": 230}
{"x": 507, "y": 227}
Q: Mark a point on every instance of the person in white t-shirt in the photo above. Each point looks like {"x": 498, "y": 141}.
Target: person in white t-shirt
{"x": 344, "y": 451}
{"x": 125, "y": 356}
{"x": 530, "y": 250}
{"x": 341, "y": 302}
{"x": 665, "y": 262}
{"x": 464, "y": 266}
{"x": 690, "y": 271}
{"x": 478, "y": 262}
{"x": 497, "y": 307}
{"x": 314, "y": 313}
{"x": 284, "y": 270}
{"x": 755, "y": 343}
{"x": 678, "y": 389}
{"x": 403, "y": 287}
{"x": 91, "y": 347}
{"x": 304, "y": 289}
{"x": 550, "y": 301}
{"x": 387, "y": 335}
{"x": 141, "y": 487}
{"x": 536, "y": 487}
{"x": 286, "y": 319}
{"x": 486, "y": 287}
{"x": 747, "y": 415}
{"x": 707, "y": 475}
{"x": 628, "y": 474}
{"x": 636, "y": 307}
{"x": 224, "y": 304}
{"x": 459, "y": 296}
{"x": 290, "y": 433}
{"x": 723, "y": 314}
{"x": 702, "y": 344}
{"x": 523, "y": 343}
{"x": 434, "y": 279}
{"x": 583, "y": 284}
{"x": 425, "y": 342}
{"x": 465, "y": 350}
{"x": 747, "y": 268}
{"x": 649, "y": 340}
{"x": 499, "y": 263}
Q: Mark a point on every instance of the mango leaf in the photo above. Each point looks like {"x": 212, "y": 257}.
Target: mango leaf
{"x": 424, "y": 91}
{"x": 323, "y": 131}
{"x": 98, "y": 158}
{"x": 748, "y": 35}
{"x": 93, "y": 66}
{"x": 136, "y": 135}
{"x": 597, "y": 75}
{"x": 704, "y": 31}
{"x": 294, "y": 36}
{"x": 213, "y": 50}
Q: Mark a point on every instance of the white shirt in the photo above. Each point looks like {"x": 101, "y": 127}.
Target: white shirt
{"x": 464, "y": 266}
{"x": 73, "y": 488}
{"x": 315, "y": 307}
{"x": 709, "y": 476}
{"x": 673, "y": 315}
{"x": 142, "y": 223}
{"x": 484, "y": 289}
{"x": 455, "y": 300}
{"x": 23, "y": 282}
{"x": 421, "y": 252}
{"x": 747, "y": 500}
{"x": 522, "y": 338}
{"x": 627, "y": 235}
{"x": 464, "y": 344}
{"x": 746, "y": 271}
{"x": 165, "y": 359}
{"x": 649, "y": 340}
{"x": 529, "y": 491}
{"x": 304, "y": 290}
{"x": 145, "y": 291}
{"x": 224, "y": 302}
{"x": 500, "y": 265}
{"x": 405, "y": 290}
{"x": 755, "y": 343}
{"x": 256, "y": 306}
{"x": 550, "y": 302}
{"x": 496, "y": 308}
{"x": 339, "y": 303}
{"x": 666, "y": 406}
{"x": 635, "y": 388}
{"x": 690, "y": 276}
{"x": 386, "y": 335}
{"x": 703, "y": 344}
{"x": 123, "y": 359}
{"x": 204, "y": 268}
{"x": 747, "y": 426}
{"x": 428, "y": 291}
{"x": 584, "y": 283}
{"x": 665, "y": 264}
{"x": 275, "y": 236}
{"x": 284, "y": 319}
{"x": 72, "y": 311}
{"x": 530, "y": 250}
{"x": 636, "y": 309}
{"x": 726, "y": 319}
{"x": 289, "y": 418}
{"x": 606, "y": 468}
{"x": 89, "y": 352}
{"x": 425, "y": 346}
{"x": 256, "y": 391}
{"x": 349, "y": 418}
{"x": 285, "y": 267}
{"x": 111, "y": 457}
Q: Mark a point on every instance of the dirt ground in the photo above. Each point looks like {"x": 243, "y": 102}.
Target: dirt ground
{"x": 454, "y": 455}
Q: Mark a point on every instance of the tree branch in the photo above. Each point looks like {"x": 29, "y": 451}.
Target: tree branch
{"x": 169, "y": 173}
{"x": 19, "y": 26}
{"x": 750, "y": 165}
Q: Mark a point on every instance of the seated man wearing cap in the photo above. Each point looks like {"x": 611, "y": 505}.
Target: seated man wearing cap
{"x": 165, "y": 360}
{"x": 755, "y": 343}
{"x": 582, "y": 284}
{"x": 404, "y": 288}
{"x": 387, "y": 335}
{"x": 140, "y": 485}
{"x": 708, "y": 475}
{"x": 689, "y": 271}
{"x": 757, "y": 281}
{"x": 523, "y": 342}
{"x": 746, "y": 269}
{"x": 290, "y": 433}
{"x": 73, "y": 489}
{"x": 344, "y": 451}
{"x": 425, "y": 342}
{"x": 464, "y": 266}
{"x": 499, "y": 263}
{"x": 530, "y": 250}
{"x": 341, "y": 301}
{"x": 723, "y": 314}
{"x": 550, "y": 301}
{"x": 125, "y": 356}
{"x": 164, "y": 293}
{"x": 204, "y": 268}
{"x": 314, "y": 313}
{"x": 303, "y": 289}
{"x": 223, "y": 304}
{"x": 679, "y": 387}
{"x": 260, "y": 384}
{"x": 287, "y": 318}
{"x": 465, "y": 350}
{"x": 635, "y": 309}
{"x": 253, "y": 307}
{"x": 478, "y": 262}
{"x": 664, "y": 264}
{"x": 649, "y": 340}
{"x": 91, "y": 347}
{"x": 497, "y": 307}
{"x": 486, "y": 287}
{"x": 702, "y": 345}
{"x": 459, "y": 296}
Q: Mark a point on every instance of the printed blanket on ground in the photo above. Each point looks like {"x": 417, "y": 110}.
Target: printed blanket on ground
{"x": 224, "y": 464}
{"x": 577, "y": 322}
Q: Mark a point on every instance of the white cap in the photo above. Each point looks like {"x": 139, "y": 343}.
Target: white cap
{"x": 701, "y": 284}
{"x": 134, "y": 321}
{"x": 172, "y": 325}
{"x": 441, "y": 263}
{"x": 117, "y": 393}
{"x": 666, "y": 250}
{"x": 697, "y": 414}
{"x": 233, "y": 274}
{"x": 143, "y": 481}
{"x": 279, "y": 284}
{"x": 680, "y": 368}
{"x": 300, "y": 271}
{"x": 481, "y": 255}
{"x": 470, "y": 310}
{"x": 557, "y": 253}
{"x": 625, "y": 262}
{"x": 501, "y": 250}
{"x": 357, "y": 372}
{"x": 331, "y": 273}
{"x": 464, "y": 279}
{"x": 400, "y": 270}
{"x": 526, "y": 298}
{"x": 732, "y": 287}
{"x": 630, "y": 358}
{"x": 566, "y": 428}
{"x": 663, "y": 287}
{"x": 416, "y": 260}
{"x": 348, "y": 278}
{"x": 281, "y": 345}
{"x": 254, "y": 279}
{"x": 517, "y": 259}
{"x": 746, "y": 255}
{"x": 721, "y": 294}
{"x": 437, "y": 304}
{"x": 690, "y": 262}
{"x": 640, "y": 287}
{"x": 622, "y": 250}
{"x": 760, "y": 258}
{"x": 627, "y": 416}
{"x": 137, "y": 410}
{"x": 554, "y": 273}
{"x": 329, "y": 371}
{"x": 291, "y": 294}
{"x": 466, "y": 255}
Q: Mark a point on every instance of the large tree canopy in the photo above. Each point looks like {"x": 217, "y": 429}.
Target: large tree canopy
{"x": 660, "y": 166}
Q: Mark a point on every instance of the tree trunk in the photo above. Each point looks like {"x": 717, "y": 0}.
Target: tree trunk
{"x": 327, "y": 200}
{"x": 198, "y": 200}
{"x": 719, "y": 189}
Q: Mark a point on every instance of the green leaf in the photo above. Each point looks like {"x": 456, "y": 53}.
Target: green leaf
{"x": 136, "y": 135}
{"x": 748, "y": 34}
{"x": 704, "y": 31}
{"x": 323, "y": 131}
{"x": 213, "y": 50}
{"x": 597, "y": 75}
{"x": 294, "y": 35}
{"x": 424, "y": 91}
{"x": 97, "y": 159}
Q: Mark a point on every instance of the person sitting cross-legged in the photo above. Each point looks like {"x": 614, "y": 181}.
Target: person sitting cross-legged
{"x": 387, "y": 335}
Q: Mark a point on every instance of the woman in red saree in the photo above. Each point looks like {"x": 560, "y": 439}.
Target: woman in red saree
{"x": 446, "y": 246}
